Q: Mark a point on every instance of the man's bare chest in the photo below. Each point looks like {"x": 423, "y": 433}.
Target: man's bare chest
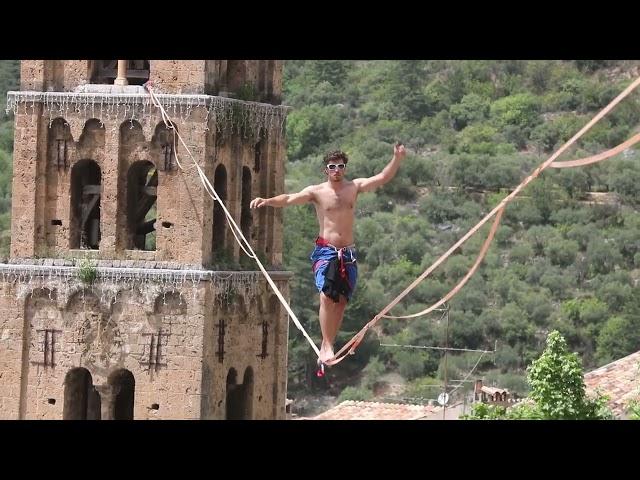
{"x": 338, "y": 201}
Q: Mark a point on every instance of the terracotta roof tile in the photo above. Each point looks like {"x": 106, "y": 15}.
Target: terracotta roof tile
{"x": 493, "y": 391}
{"x": 353, "y": 410}
{"x": 619, "y": 380}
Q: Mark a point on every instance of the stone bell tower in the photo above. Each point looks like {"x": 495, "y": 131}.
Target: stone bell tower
{"x": 126, "y": 295}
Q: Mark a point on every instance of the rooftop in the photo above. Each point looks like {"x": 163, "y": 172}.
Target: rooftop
{"x": 354, "y": 410}
{"x": 619, "y": 380}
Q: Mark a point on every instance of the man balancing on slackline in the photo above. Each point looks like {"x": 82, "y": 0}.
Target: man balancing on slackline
{"x": 334, "y": 255}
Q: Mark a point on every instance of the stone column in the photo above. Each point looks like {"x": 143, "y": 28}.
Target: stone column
{"x": 108, "y": 395}
{"x": 110, "y": 224}
{"x": 122, "y": 73}
{"x": 28, "y": 173}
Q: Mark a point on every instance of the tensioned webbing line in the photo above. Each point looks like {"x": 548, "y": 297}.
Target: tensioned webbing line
{"x": 499, "y": 209}
{"x": 351, "y": 345}
{"x": 237, "y": 232}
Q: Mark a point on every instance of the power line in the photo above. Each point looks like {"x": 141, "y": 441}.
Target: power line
{"x": 446, "y": 349}
{"x": 469, "y": 374}
{"x": 436, "y": 348}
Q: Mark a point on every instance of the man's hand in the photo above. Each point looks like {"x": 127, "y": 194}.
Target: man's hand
{"x": 258, "y": 202}
{"x": 371, "y": 183}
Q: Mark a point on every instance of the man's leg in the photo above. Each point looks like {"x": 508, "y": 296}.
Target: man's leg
{"x": 331, "y": 315}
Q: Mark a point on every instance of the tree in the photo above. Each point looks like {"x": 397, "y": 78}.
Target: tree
{"x": 520, "y": 110}
{"x": 592, "y": 65}
{"x": 400, "y": 94}
{"x": 574, "y": 181}
{"x": 411, "y": 364}
{"x": 562, "y": 252}
{"x": 472, "y": 108}
{"x": 521, "y": 253}
{"x": 543, "y": 198}
{"x": 557, "y": 384}
{"x": 619, "y": 337}
{"x": 557, "y": 390}
{"x": 333, "y": 71}
{"x": 603, "y": 256}
{"x": 477, "y": 139}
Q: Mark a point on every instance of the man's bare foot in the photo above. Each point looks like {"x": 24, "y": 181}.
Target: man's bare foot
{"x": 326, "y": 353}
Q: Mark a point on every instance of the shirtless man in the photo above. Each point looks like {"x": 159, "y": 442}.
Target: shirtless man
{"x": 334, "y": 256}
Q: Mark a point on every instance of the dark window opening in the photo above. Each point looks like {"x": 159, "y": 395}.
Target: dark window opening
{"x": 81, "y": 400}
{"x": 168, "y": 156}
{"x": 63, "y": 154}
{"x": 257, "y": 157}
{"x": 247, "y": 391}
{"x": 246, "y": 217}
{"x": 221, "y": 330}
{"x": 60, "y": 143}
{"x": 233, "y": 412}
{"x": 219, "y": 219}
{"x": 106, "y": 71}
{"x": 123, "y": 384}
{"x": 164, "y": 147}
{"x": 85, "y": 205}
{"x": 265, "y": 340}
{"x": 240, "y": 397}
{"x": 142, "y": 185}
{"x": 56, "y": 222}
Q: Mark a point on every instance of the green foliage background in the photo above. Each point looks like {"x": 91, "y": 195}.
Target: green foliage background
{"x": 474, "y": 130}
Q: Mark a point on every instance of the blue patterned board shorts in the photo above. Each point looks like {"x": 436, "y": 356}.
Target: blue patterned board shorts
{"x": 321, "y": 256}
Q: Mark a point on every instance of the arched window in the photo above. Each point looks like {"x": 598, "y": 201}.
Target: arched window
{"x": 219, "y": 220}
{"x": 234, "y": 412}
{"x": 247, "y": 394}
{"x": 142, "y": 184}
{"x": 85, "y": 205}
{"x": 59, "y": 143}
{"x": 124, "y": 384}
{"x": 245, "y": 212}
{"x": 240, "y": 397}
{"x": 81, "y": 401}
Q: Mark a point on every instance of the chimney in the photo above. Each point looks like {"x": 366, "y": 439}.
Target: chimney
{"x": 478, "y": 388}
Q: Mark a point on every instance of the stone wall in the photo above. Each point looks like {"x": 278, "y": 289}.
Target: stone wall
{"x": 169, "y": 339}
{"x": 47, "y": 150}
{"x": 168, "y": 76}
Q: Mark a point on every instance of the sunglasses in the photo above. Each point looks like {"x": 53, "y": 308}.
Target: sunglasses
{"x": 332, "y": 166}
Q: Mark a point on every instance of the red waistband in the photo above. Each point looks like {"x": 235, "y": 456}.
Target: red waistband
{"x": 323, "y": 242}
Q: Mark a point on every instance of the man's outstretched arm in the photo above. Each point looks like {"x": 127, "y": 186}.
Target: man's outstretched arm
{"x": 284, "y": 200}
{"x": 371, "y": 183}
